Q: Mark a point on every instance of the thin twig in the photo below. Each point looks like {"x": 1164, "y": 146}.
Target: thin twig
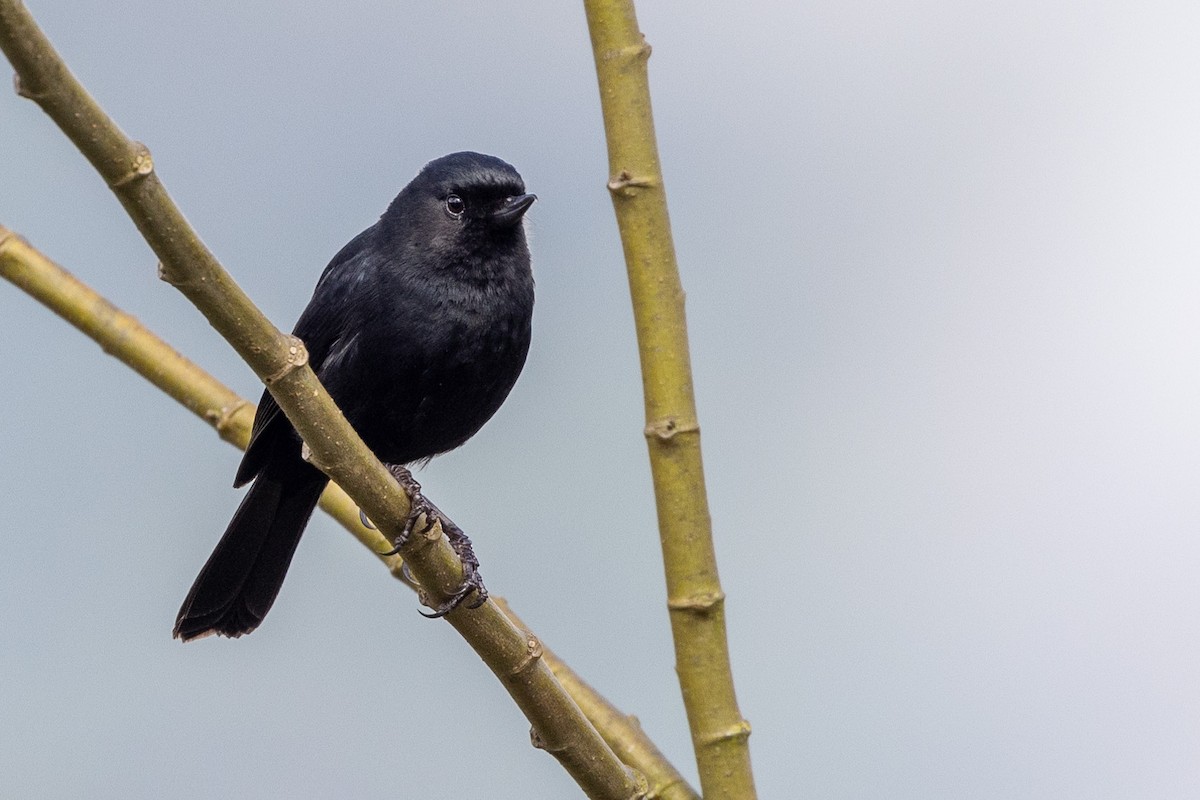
{"x": 695, "y": 601}
{"x": 622, "y": 731}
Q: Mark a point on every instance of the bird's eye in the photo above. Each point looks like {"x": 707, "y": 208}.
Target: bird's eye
{"x": 455, "y": 205}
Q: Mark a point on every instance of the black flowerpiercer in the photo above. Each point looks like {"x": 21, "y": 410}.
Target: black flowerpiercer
{"x": 418, "y": 328}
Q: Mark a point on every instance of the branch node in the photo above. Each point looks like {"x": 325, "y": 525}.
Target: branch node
{"x": 223, "y": 416}
{"x": 533, "y": 653}
{"x": 634, "y": 52}
{"x": 668, "y": 428}
{"x": 433, "y": 532}
{"x": 739, "y": 731}
{"x": 663, "y": 789}
{"x": 168, "y": 275}
{"x": 699, "y": 604}
{"x": 297, "y": 357}
{"x": 141, "y": 166}
{"x": 626, "y": 183}
{"x": 21, "y": 90}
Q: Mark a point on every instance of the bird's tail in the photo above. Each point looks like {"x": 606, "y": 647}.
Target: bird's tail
{"x": 243, "y": 575}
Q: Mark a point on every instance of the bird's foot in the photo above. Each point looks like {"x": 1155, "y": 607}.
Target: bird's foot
{"x": 421, "y": 517}
{"x": 472, "y": 581}
{"x": 421, "y": 513}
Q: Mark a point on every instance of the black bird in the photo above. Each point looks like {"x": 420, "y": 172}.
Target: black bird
{"x": 418, "y": 328}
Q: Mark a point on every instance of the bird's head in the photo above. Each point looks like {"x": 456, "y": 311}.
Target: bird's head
{"x": 461, "y": 204}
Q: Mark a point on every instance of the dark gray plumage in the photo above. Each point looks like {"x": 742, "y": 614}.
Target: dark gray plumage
{"x": 418, "y": 328}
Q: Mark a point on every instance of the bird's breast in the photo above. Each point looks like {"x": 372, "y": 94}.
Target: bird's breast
{"x": 443, "y": 372}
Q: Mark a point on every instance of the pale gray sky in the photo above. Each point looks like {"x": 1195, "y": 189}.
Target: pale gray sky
{"x": 941, "y": 263}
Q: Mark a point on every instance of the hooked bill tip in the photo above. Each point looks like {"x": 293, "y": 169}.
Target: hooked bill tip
{"x": 512, "y": 209}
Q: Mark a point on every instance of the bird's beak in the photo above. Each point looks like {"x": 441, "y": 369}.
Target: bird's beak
{"x": 510, "y": 210}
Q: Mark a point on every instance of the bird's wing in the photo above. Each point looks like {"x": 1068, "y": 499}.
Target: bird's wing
{"x": 324, "y": 330}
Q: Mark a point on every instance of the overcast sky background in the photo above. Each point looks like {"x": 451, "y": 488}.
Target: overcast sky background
{"x": 944, "y": 299}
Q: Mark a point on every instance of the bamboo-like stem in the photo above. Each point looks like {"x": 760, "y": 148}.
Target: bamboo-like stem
{"x": 120, "y": 335}
{"x": 694, "y": 597}
{"x": 280, "y": 361}
{"x": 623, "y": 732}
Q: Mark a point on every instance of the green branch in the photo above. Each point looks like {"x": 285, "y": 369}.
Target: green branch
{"x": 280, "y": 361}
{"x": 694, "y": 598}
{"x": 123, "y": 337}
{"x": 623, "y": 732}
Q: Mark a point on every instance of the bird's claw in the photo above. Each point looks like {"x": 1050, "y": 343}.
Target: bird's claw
{"x": 366, "y": 523}
{"x": 472, "y": 581}
{"x": 422, "y": 509}
{"x": 418, "y": 509}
